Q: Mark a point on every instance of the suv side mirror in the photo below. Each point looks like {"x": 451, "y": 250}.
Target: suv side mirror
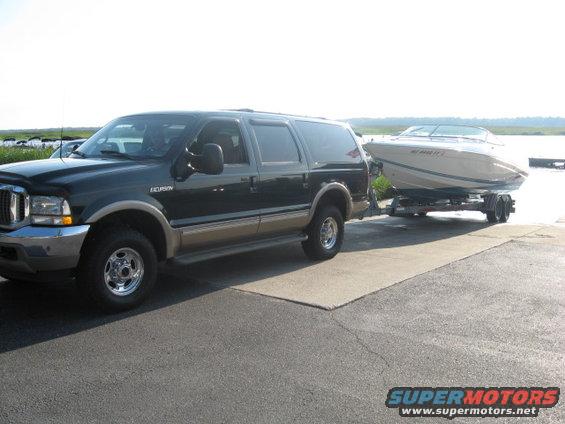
{"x": 212, "y": 161}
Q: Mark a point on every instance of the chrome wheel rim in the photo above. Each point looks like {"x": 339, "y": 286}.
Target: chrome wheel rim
{"x": 328, "y": 233}
{"x": 123, "y": 271}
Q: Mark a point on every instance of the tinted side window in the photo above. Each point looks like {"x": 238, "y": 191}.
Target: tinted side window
{"x": 329, "y": 143}
{"x": 276, "y": 143}
{"x": 225, "y": 134}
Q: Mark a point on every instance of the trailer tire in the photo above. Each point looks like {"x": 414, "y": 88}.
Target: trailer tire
{"x": 506, "y": 209}
{"x": 495, "y": 215}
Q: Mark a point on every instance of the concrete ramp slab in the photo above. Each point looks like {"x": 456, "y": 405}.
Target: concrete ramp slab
{"x": 377, "y": 253}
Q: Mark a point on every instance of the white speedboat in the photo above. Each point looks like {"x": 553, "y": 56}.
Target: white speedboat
{"x": 446, "y": 162}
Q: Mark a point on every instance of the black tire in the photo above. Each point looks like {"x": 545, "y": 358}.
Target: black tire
{"x": 495, "y": 215}
{"x": 314, "y": 246}
{"x": 506, "y": 209}
{"x": 137, "y": 257}
{"x": 422, "y": 214}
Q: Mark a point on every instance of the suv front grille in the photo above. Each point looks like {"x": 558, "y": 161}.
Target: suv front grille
{"x": 5, "y": 213}
{"x": 14, "y": 205}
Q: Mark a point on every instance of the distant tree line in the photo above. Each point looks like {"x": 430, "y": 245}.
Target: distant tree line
{"x": 535, "y": 121}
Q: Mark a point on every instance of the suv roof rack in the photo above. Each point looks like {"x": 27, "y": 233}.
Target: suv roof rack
{"x": 273, "y": 113}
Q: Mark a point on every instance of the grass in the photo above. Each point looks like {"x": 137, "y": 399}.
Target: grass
{"x": 19, "y": 154}
{"x": 387, "y": 130}
{"x": 383, "y": 188}
{"x": 54, "y": 134}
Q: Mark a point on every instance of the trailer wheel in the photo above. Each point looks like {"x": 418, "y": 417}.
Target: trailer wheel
{"x": 506, "y": 209}
{"x": 422, "y": 213}
{"x": 496, "y": 214}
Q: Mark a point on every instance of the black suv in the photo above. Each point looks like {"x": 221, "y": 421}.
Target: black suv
{"x": 180, "y": 186}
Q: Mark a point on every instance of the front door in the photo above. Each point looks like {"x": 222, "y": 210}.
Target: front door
{"x": 219, "y": 209}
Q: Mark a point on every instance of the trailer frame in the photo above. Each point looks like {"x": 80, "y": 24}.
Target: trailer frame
{"x": 496, "y": 206}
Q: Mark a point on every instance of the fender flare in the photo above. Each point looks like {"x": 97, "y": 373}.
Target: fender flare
{"x": 326, "y": 187}
{"x": 171, "y": 237}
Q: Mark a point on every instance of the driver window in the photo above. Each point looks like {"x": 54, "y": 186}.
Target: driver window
{"x": 225, "y": 134}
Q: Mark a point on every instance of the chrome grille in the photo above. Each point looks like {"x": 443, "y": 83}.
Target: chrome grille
{"x": 14, "y": 205}
{"x": 5, "y": 200}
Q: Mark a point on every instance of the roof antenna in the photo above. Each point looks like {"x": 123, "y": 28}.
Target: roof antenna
{"x": 62, "y": 125}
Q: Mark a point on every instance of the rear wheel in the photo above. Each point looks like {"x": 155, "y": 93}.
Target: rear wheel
{"x": 118, "y": 269}
{"x": 325, "y": 234}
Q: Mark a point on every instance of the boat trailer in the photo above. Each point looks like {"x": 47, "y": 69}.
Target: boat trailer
{"x": 497, "y": 207}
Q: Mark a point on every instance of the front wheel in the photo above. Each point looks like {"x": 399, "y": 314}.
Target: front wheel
{"x": 118, "y": 269}
{"x": 325, "y": 234}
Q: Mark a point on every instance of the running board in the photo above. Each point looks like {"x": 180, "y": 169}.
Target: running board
{"x": 189, "y": 258}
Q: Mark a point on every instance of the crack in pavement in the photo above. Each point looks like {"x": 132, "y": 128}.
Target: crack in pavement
{"x": 359, "y": 340}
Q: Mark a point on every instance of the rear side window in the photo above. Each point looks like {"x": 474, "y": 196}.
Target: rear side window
{"x": 276, "y": 143}
{"x": 329, "y": 143}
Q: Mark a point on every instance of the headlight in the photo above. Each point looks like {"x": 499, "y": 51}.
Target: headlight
{"x": 50, "y": 210}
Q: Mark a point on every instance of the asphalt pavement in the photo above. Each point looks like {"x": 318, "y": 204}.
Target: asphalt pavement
{"x": 200, "y": 352}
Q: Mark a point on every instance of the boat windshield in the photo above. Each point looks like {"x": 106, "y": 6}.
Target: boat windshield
{"x": 453, "y": 131}
{"x": 419, "y": 131}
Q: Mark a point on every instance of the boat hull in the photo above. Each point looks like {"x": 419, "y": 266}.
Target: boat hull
{"x": 434, "y": 170}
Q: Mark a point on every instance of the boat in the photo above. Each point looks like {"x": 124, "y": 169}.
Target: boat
{"x": 432, "y": 162}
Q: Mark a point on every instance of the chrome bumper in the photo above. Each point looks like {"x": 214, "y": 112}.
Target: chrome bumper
{"x": 34, "y": 249}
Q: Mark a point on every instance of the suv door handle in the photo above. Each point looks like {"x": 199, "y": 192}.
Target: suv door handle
{"x": 252, "y": 180}
{"x": 305, "y": 181}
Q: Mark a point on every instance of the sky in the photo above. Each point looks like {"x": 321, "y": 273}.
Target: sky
{"x": 85, "y": 62}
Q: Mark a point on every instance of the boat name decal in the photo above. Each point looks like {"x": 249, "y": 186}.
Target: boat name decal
{"x": 427, "y": 152}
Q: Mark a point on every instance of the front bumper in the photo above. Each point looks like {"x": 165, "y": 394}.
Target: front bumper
{"x": 35, "y": 249}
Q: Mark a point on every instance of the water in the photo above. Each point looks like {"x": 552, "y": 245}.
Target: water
{"x": 536, "y": 146}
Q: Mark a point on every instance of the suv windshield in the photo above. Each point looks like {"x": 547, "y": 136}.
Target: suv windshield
{"x": 137, "y": 137}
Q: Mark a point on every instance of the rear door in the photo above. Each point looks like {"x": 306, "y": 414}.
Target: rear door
{"x": 284, "y": 190}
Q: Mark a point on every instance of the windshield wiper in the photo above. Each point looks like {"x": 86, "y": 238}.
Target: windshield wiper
{"x": 117, "y": 153}
{"x": 76, "y": 152}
